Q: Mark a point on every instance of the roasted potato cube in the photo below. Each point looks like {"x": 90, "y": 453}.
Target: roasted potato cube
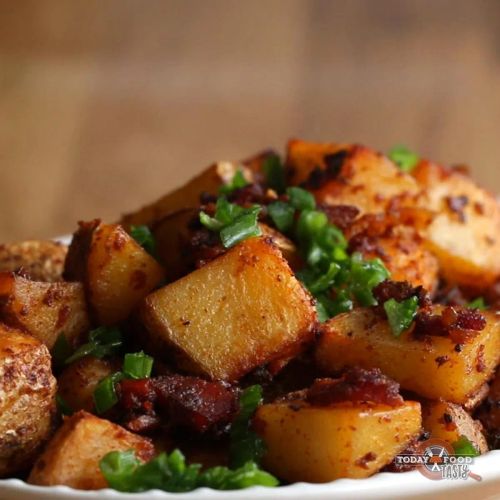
{"x": 40, "y": 260}
{"x": 322, "y": 443}
{"x": 449, "y": 422}
{"x": 465, "y": 233}
{"x": 77, "y": 382}
{"x": 72, "y": 456}
{"x": 188, "y": 195}
{"x": 44, "y": 310}
{"x": 27, "y": 399}
{"x": 351, "y": 175}
{"x": 286, "y": 246}
{"x": 363, "y": 338}
{"x": 116, "y": 271}
{"x": 239, "y": 311}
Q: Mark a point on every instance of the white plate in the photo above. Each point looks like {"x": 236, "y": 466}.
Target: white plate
{"x": 386, "y": 485}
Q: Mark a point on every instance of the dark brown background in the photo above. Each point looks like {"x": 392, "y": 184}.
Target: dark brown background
{"x": 105, "y": 105}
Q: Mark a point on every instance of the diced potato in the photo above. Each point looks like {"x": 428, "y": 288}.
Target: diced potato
{"x": 40, "y": 260}
{"x": 72, "y": 456}
{"x": 27, "y": 399}
{"x": 188, "y": 195}
{"x": 320, "y": 444}
{"x": 449, "y": 422}
{"x": 44, "y": 310}
{"x": 362, "y": 338}
{"x": 465, "y": 234}
{"x": 365, "y": 179}
{"x": 77, "y": 382}
{"x": 286, "y": 246}
{"x": 239, "y": 311}
{"x": 116, "y": 271}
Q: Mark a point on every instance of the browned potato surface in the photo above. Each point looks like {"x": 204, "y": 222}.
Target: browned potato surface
{"x": 188, "y": 195}
{"x": 116, "y": 271}
{"x": 465, "y": 233}
{"x": 320, "y": 444}
{"x": 239, "y": 311}
{"x": 27, "y": 399}
{"x": 77, "y": 382}
{"x": 351, "y": 175}
{"x": 40, "y": 260}
{"x": 362, "y": 338}
{"x": 449, "y": 422}
{"x": 73, "y": 454}
{"x": 44, "y": 310}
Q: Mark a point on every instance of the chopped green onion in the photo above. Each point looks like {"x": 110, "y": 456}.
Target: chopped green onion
{"x": 464, "y": 447}
{"x": 105, "y": 396}
{"x": 62, "y": 406}
{"x": 405, "y": 159}
{"x": 401, "y": 314}
{"x": 301, "y": 199}
{"x": 275, "y": 173}
{"x": 246, "y": 445}
{"x": 364, "y": 276}
{"x": 143, "y": 236}
{"x": 61, "y": 350}
{"x": 137, "y": 365}
{"x": 478, "y": 303}
{"x": 210, "y": 223}
{"x": 282, "y": 215}
{"x": 243, "y": 227}
{"x": 237, "y": 182}
{"x": 103, "y": 341}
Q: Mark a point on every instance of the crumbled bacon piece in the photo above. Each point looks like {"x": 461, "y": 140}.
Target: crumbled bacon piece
{"x": 357, "y": 385}
{"x": 341, "y": 216}
{"x": 399, "y": 291}
{"x": 194, "y": 402}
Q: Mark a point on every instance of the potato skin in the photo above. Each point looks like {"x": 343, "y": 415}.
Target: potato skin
{"x": 40, "y": 260}
{"x": 221, "y": 323}
{"x": 72, "y": 456}
{"x": 449, "y": 421}
{"x": 27, "y": 399}
{"x": 116, "y": 271}
{"x": 365, "y": 179}
{"x": 44, "y": 310}
{"x": 320, "y": 444}
{"x": 77, "y": 382}
{"x": 465, "y": 232}
{"x": 362, "y": 338}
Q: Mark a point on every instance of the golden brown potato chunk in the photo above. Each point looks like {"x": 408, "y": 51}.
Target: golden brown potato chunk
{"x": 27, "y": 399}
{"x": 465, "y": 233}
{"x": 40, "y": 260}
{"x": 44, "y": 310}
{"x": 449, "y": 422}
{"x": 72, "y": 456}
{"x": 320, "y": 444}
{"x": 350, "y": 175}
{"x": 188, "y": 195}
{"x": 77, "y": 382}
{"x": 363, "y": 338}
{"x": 116, "y": 271}
{"x": 241, "y": 310}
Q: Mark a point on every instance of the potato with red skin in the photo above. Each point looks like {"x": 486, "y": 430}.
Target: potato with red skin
{"x": 44, "y": 310}
{"x": 116, "y": 271}
{"x": 72, "y": 456}
{"x": 239, "y": 311}
{"x": 465, "y": 232}
{"x": 27, "y": 399}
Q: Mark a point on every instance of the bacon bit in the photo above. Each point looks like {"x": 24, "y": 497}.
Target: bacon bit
{"x": 461, "y": 325}
{"x": 341, "y": 216}
{"x": 248, "y": 195}
{"x": 194, "y": 402}
{"x": 399, "y": 291}
{"x": 457, "y": 204}
{"x": 357, "y": 385}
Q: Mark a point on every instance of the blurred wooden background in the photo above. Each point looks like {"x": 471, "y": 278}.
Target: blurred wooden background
{"x": 104, "y": 105}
